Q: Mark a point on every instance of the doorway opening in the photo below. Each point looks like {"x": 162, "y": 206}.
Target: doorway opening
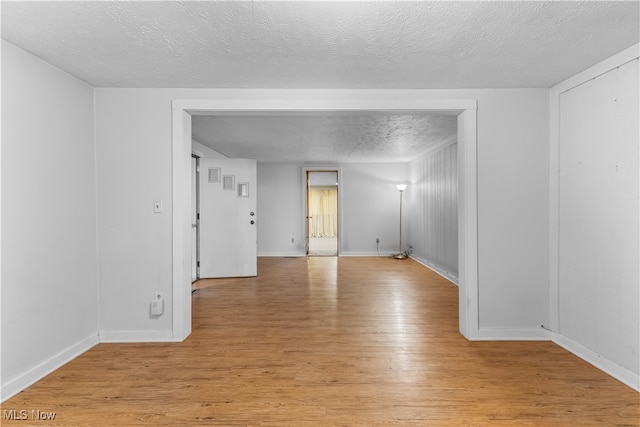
{"x": 322, "y": 226}
{"x": 274, "y": 102}
{"x": 195, "y": 218}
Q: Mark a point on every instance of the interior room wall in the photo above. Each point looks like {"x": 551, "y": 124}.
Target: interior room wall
{"x": 134, "y": 126}
{"x": 433, "y": 211}
{"x": 133, "y": 156}
{"x": 371, "y": 207}
{"x": 364, "y": 197}
{"x": 597, "y": 311}
{"x": 513, "y": 204}
{"x": 49, "y": 279}
{"x": 280, "y": 210}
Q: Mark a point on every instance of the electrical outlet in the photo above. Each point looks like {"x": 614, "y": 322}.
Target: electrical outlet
{"x": 377, "y": 240}
{"x": 157, "y": 305}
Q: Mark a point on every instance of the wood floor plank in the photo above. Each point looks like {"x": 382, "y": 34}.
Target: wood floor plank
{"x": 329, "y": 342}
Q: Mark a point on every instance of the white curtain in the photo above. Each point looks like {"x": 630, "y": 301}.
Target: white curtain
{"x": 323, "y": 210}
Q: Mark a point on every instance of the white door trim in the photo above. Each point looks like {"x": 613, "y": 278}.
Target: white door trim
{"x": 275, "y": 101}
{"x": 336, "y": 169}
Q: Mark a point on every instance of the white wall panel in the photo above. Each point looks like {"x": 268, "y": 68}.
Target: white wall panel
{"x": 369, "y": 204}
{"x": 371, "y": 207}
{"x": 513, "y": 206}
{"x": 599, "y": 302}
{"x": 134, "y": 161}
{"x": 433, "y": 221}
{"x": 49, "y": 258}
{"x": 280, "y": 209}
{"x": 135, "y": 245}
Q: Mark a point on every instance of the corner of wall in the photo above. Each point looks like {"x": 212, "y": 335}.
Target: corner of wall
{"x": 618, "y": 372}
{"x": 24, "y": 380}
{"x": 558, "y": 336}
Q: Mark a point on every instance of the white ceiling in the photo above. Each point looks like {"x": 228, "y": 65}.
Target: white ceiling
{"x": 363, "y": 137}
{"x": 334, "y": 44}
{"x": 309, "y": 44}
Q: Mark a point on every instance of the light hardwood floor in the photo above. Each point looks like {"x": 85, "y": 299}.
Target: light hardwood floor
{"x": 323, "y": 246}
{"x": 329, "y": 342}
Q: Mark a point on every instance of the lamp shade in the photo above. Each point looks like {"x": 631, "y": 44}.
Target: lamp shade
{"x": 401, "y": 187}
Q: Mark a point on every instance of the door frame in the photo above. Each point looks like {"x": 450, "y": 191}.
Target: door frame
{"x": 196, "y": 171}
{"x": 294, "y": 101}
{"x": 305, "y": 202}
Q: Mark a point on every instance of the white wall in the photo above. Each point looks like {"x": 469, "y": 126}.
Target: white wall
{"x": 368, "y": 200}
{"x": 433, "y": 211}
{"x": 597, "y": 200}
{"x": 49, "y": 283}
{"x": 371, "y": 207}
{"x": 133, "y": 131}
{"x": 513, "y": 205}
{"x": 133, "y": 169}
{"x": 280, "y": 214}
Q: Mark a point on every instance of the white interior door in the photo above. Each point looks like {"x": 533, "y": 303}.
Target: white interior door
{"x": 228, "y": 218}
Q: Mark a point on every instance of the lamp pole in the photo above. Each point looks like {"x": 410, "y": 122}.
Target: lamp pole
{"x": 400, "y": 255}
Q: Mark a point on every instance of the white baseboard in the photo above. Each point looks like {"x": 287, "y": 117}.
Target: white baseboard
{"x": 499, "y": 334}
{"x": 137, "y": 336}
{"x": 30, "y": 377}
{"x": 300, "y": 254}
{"x": 437, "y": 269}
{"x": 281, "y": 254}
{"x": 381, "y": 254}
{"x": 616, "y": 371}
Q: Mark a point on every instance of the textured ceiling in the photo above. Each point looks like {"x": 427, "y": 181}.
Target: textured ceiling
{"x": 308, "y": 44}
{"x": 325, "y": 138}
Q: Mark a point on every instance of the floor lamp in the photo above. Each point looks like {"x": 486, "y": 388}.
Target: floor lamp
{"x": 400, "y": 255}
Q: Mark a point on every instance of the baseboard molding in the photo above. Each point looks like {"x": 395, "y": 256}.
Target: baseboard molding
{"x": 381, "y": 254}
{"x": 281, "y": 254}
{"x": 299, "y": 254}
{"x": 616, "y": 371}
{"x": 502, "y": 334}
{"x": 30, "y": 377}
{"x": 137, "y": 336}
{"x": 436, "y": 269}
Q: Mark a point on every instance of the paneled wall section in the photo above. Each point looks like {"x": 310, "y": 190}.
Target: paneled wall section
{"x": 433, "y": 211}
{"x": 598, "y": 205}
